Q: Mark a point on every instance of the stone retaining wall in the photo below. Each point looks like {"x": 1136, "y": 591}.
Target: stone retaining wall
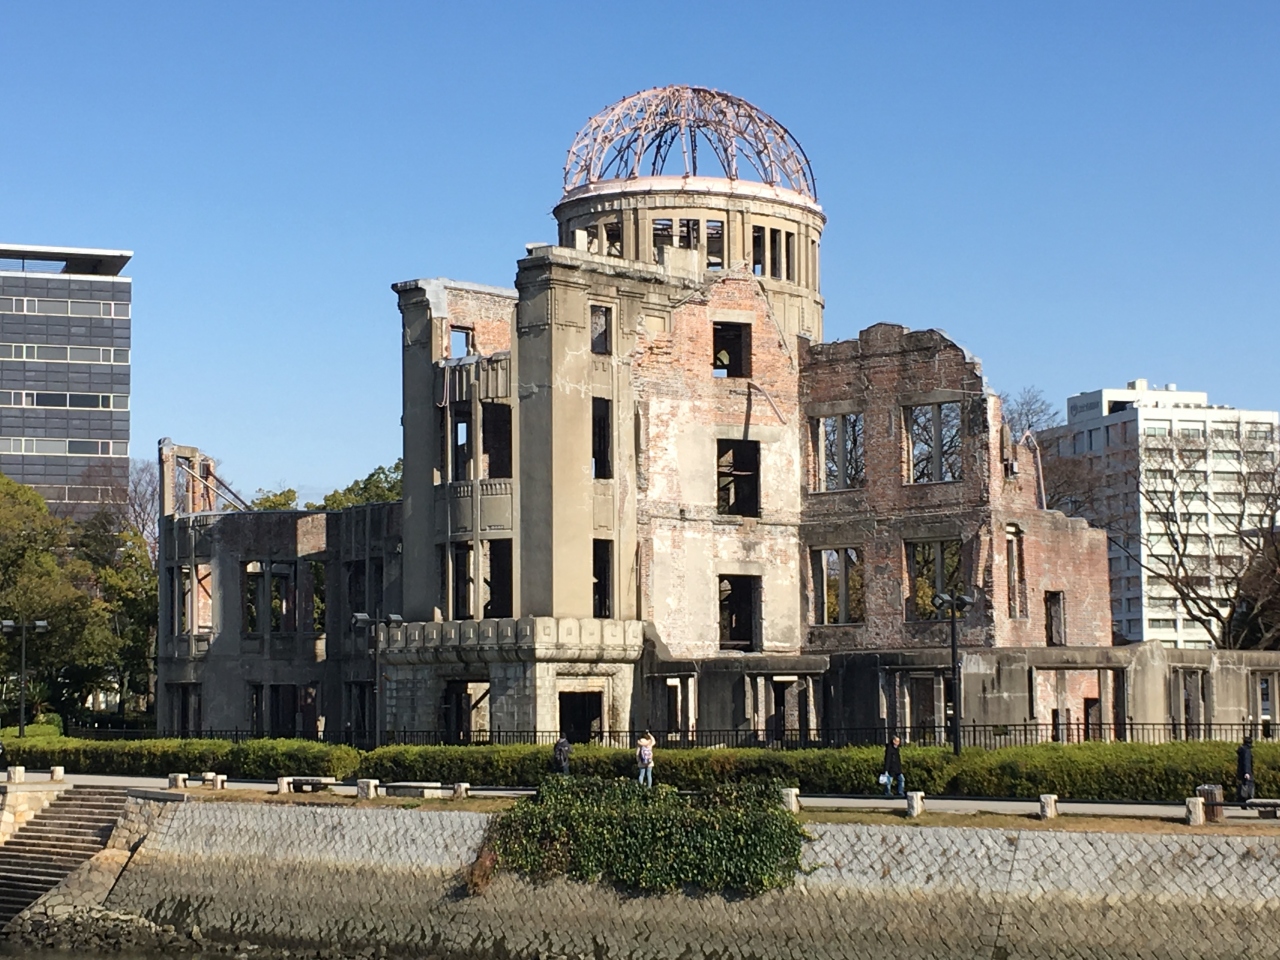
{"x": 20, "y": 802}
{"x": 291, "y": 875}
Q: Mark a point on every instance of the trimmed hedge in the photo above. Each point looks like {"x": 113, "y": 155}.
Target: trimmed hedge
{"x": 734, "y": 837}
{"x": 1085, "y": 771}
{"x": 252, "y": 760}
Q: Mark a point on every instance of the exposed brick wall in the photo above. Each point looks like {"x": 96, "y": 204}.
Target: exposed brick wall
{"x": 886, "y": 369}
{"x": 490, "y": 317}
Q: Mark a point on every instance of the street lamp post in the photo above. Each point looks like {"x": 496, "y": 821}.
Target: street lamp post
{"x": 8, "y": 628}
{"x": 954, "y": 606}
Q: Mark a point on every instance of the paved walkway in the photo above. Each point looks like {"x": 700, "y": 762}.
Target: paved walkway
{"x": 1168, "y": 811}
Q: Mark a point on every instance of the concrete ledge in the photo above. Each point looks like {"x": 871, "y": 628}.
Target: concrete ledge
{"x": 161, "y": 796}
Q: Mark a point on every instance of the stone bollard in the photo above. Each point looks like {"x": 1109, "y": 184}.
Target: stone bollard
{"x": 284, "y": 784}
{"x": 366, "y": 789}
{"x": 17, "y": 774}
{"x": 915, "y": 803}
{"x": 461, "y": 791}
{"x": 57, "y": 774}
{"x": 219, "y": 781}
{"x": 791, "y": 799}
{"x": 1048, "y": 806}
{"x": 1195, "y": 811}
{"x": 177, "y": 781}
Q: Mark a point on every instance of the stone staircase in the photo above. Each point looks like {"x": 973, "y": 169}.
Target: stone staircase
{"x": 53, "y": 843}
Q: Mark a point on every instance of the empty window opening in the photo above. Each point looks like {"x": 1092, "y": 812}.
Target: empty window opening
{"x": 181, "y": 593}
{"x": 204, "y": 598}
{"x": 715, "y": 244}
{"x": 251, "y": 578}
{"x": 739, "y": 613}
{"x": 581, "y": 716}
{"x": 459, "y": 342}
{"x": 613, "y": 239}
{"x": 462, "y": 581}
{"x": 602, "y": 579}
{"x": 662, "y": 237}
{"x": 442, "y": 578}
{"x": 317, "y": 596}
{"x": 933, "y": 567}
{"x": 1016, "y": 574}
{"x": 461, "y": 451}
{"x": 601, "y": 329}
{"x": 839, "y": 449}
{"x": 775, "y": 254}
{"x": 690, "y": 231}
{"x": 738, "y": 477}
{"x": 593, "y": 239}
{"x": 601, "y": 438}
{"x": 257, "y": 708}
{"x": 757, "y": 251}
{"x": 839, "y": 593}
{"x": 496, "y": 439}
{"x": 284, "y": 710}
{"x": 1055, "y": 618}
{"x": 357, "y": 599}
{"x": 442, "y": 432}
{"x": 731, "y": 349}
{"x": 496, "y": 558}
{"x": 789, "y": 255}
{"x": 933, "y": 443}
{"x": 282, "y": 619}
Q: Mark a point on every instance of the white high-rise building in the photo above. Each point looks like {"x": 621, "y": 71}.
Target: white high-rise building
{"x": 1153, "y": 446}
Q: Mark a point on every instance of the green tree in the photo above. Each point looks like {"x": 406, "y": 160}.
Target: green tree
{"x": 383, "y": 485}
{"x": 42, "y": 578}
{"x": 286, "y": 499}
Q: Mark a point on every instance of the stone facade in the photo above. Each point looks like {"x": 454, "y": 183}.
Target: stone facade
{"x": 639, "y": 491}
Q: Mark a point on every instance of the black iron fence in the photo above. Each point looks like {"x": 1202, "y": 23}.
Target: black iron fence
{"x": 986, "y": 736}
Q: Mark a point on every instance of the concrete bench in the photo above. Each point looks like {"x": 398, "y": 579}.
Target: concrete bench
{"x": 303, "y": 784}
{"x": 1267, "y": 809}
{"x": 180, "y": 781}
{"x": 428, "y": 790}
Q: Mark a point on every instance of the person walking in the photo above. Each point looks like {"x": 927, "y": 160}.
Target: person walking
{"x": 1246, "y": 790}
{"x": 644, "y": 759}
{"x": 560, "y": 754}
{"x": 893, "y": 769}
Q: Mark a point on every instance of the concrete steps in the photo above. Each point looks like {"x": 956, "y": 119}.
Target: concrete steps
{"x": 60, "y": 838}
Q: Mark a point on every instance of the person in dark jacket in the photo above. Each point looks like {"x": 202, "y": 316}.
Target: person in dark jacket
{"x": 1244, "y": 770}
{"x": 560, "y": 753}
{"x": 893, "y": 769}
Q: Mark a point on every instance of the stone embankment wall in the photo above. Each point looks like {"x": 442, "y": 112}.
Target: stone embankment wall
{"x": 290, "y": 875}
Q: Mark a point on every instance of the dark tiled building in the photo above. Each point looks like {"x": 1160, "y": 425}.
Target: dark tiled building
{"x": 64, "y": 373}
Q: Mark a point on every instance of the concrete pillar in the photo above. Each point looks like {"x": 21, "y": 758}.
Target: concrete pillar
{"x": 1195, "y": 811}
{"x": 17, "y": 775}
{"x": 366, "y": 789}
{"x": 1104, "y": 704}
{"x": 57, "y": 774}
{"x": 791, "y": 799}
{"x": 915, "y": 803}
{"x": 460, "y": 791}
{"x": 1048, "y": 806}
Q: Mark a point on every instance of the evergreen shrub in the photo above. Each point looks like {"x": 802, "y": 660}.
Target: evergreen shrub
{"x": 733, "y": 837}
{"x": 252, "y": 760}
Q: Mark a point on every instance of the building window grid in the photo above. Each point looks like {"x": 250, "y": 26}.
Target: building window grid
{"x": 57, "y": 307}
{"x": 54, "y": 353}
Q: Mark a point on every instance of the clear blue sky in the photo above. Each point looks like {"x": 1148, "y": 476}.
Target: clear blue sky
{"x": 1081, "y": 193}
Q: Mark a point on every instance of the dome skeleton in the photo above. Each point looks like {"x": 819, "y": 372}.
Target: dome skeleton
{"x": 636, "y": 136}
